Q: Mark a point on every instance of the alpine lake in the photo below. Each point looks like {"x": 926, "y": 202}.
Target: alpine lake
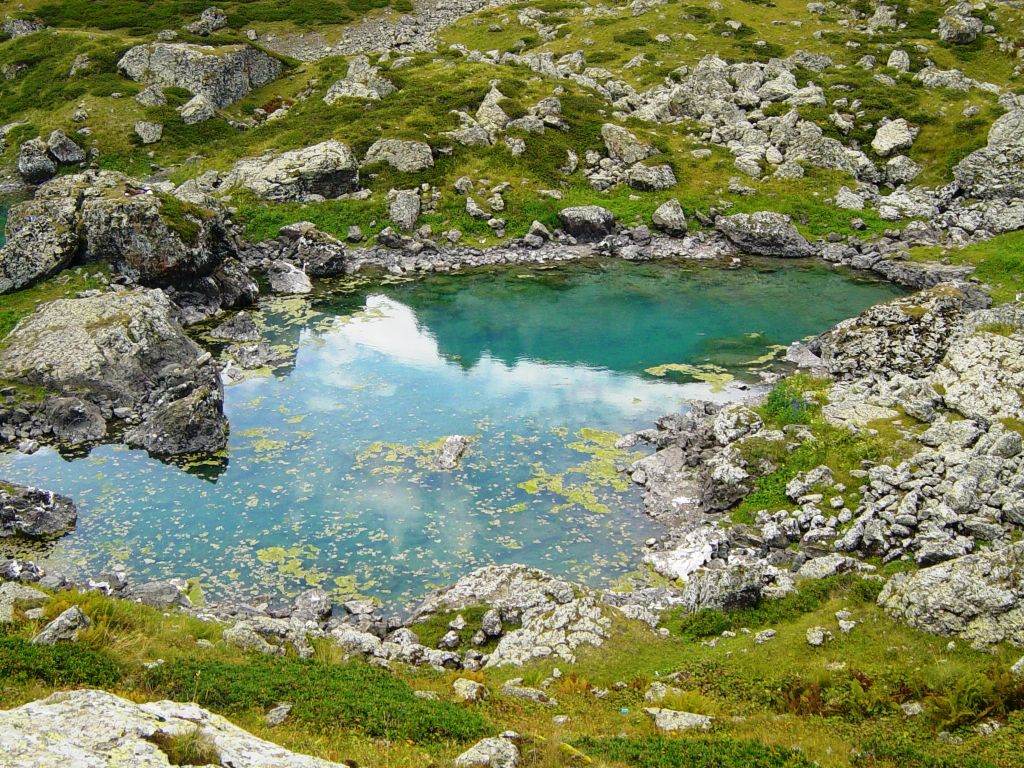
{"x": 329, "y": 476}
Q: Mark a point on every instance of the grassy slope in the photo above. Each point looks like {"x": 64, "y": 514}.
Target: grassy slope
{"x": 836, "y": 705}
{"x": 436, "y": 84}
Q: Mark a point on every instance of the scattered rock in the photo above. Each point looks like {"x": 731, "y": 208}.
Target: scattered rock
{"x": 64, "y": 628}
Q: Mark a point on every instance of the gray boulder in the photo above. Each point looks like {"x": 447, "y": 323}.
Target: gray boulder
{"x": 322, "y": 171}
{"x": 14, "y": 595}
{"x": 622, "y": 145}
{"x": 223, "y": 74}
{"x": 63, "y": 629}
{"x": 35, "y": 165}
{"x": 162, "y": 595}
{"x": 33, "y": 513}
{"x": 496, "y": 752}
{"x": 404, "y": 156}
{"x": 90, "y": 728}
{"x": 587, "y": 222}
{"x": 75, "y": 421}
{"x": 209, "y": 21}
{"x": 764, "y": 233}
{"x": 289, "y": 279}
{"x": 64, "y": 150}
{"x": 893, "y": 136}
{"x": 149, "y": 133}
{"x": 670, "y": 218}
{"x": 404, "y": 209}
{"x": 123, "y": 350}
{"x": 978, "y": 597}
{"x": 959, "y": 28}
{"x": 363, "y": 81}
{"x": 650, "y": 178}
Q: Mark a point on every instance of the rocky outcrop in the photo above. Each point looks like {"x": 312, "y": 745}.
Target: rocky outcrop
{"x": 553, "y": 620}
{"x": 125, "y": 354}
{"x": 39, "y": 160}
{"x": 981, "y": 375}
{"x": 764, "y": 233}
{"x": 404, "y": 156}
{"x": 909, "y": 336}
{"x": 220, "y": 75}
{"x": 979, "y": 597}
{"x": 996, "y": 170}
{"x": 42, "y": 235}
{"x": 33, "y": 513}
{"x": 149, "y": 237}
{"x": 363, "y": 81}
{"x": 96, "y": 728}
{"x": 587, "y": 223}
{"x": 320, "y": 172}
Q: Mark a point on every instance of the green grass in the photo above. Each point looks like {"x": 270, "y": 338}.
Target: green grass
{"x": 65, "y": 664}
{"x": 18, "y": 304}
{"x": 662, "y": 752}
{"x": 351, "y": 695}
{"x": 797, "y": 400}
{"x": 999, "y": 263}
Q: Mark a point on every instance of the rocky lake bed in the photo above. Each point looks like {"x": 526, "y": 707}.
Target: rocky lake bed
{"x": 500, "y": 384}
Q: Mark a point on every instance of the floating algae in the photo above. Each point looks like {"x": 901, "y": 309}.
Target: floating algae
{"x": 714, "y": 375}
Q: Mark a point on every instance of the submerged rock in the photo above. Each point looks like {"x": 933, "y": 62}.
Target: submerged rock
{"x": 91, "y": 728}
{"x": 451, "y": 451}
{"x": 34, "y": 513}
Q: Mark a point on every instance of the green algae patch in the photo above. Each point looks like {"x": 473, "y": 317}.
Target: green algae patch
{"x": 600, "y": 475}
{"x": 714, "y": 375}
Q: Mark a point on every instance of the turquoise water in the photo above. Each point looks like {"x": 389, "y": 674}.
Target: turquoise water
{"x": 328, "y": 478}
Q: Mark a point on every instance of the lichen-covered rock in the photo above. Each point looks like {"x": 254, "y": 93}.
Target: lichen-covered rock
{"x": 981, "y": 375}
{"x": 959, "y": 27}
{"x": 323, "y": 171}
{"x": 223, "y": 74}
{"x": 404, "y": 209}
{"x": 193, "y": 424}
{"x": 587, "y": 222}
{"x": 404, "y": 156}
{"x": 908, "y": 335}
{"x": 622, "y": 145}
{"x": 122, "y": 350}
{"x": 670, "y": 218}
{"x": 363, "y": 81}
{"x": 96, "y": 729}
{"x": 289, "y": 279}
{"x": 893, "y": 136}
{"x": 64, "y": 628}
{"x": 496, "y": 752}
{"x": 14, "y": 595}
{"x": 107, "y": 217}
{"x": 996, "y": 170}
{"x": 42, "y": 235}
{"x": 671, "y": 721}
{"x": 978, "y": 597}
{"x": 764, "y": 233}
{"x": 34, "y": 513}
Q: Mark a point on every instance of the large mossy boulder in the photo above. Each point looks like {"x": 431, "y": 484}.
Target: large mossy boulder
{"x": 322, "y": 171}
{"x": 126, "y": 354}
{"x": 978, "y": 597}
{"x": 219, "y": 74}
{"x": 153, "y": 238}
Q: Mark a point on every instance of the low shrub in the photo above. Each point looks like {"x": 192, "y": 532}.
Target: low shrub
{"x": 326, "y": 696}
{"x": 661, "y": 752}
{"x": 61, "y": 665}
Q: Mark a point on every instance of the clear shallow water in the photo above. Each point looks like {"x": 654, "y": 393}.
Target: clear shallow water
{"x": 328, "y": 478}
